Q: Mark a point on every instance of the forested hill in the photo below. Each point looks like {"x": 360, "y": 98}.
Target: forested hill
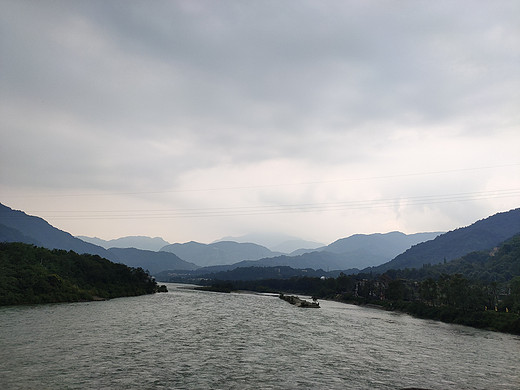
{"x": 500, "y": 264}
{"x": 484, "y": 234}
{"x": 30, "y": 274}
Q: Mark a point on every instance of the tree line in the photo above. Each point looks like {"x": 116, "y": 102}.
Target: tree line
{"x": 30, "y": 274}
{"x": 450, "y": 298}
{"x": 481, "y": 289}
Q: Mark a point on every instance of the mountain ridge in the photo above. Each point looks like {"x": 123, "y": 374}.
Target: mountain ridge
{"x": 218, "y": 253}
{"x": 356, "y": 251}
{"x": 137, "y": 242}
{"x": 480, "y": 235}
{"x": 152, "y": 261}
{"x": 17, "y": 226}
{"x": 276, "y": 242}
{"x": 42, "y": 232}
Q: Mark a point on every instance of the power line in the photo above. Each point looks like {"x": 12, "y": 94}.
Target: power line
{"x": 282, "y": 209}
{"x": 214, "y": 189}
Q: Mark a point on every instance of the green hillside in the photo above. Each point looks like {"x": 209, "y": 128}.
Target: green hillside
{"x": 30, "y": 274}
{"x": 481, "y": 235}
{"x": 499, "y": 264}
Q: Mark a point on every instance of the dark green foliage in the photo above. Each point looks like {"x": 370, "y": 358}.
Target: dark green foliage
{"x": 481, "y": 235}
{"x": 451, "y": 298}
{"x": 396, "y": 291}
{"x": 30, "y": 274}
{"x": 493, "y": 265}
{"x": 162, "y": 288}
{"x": 481, "y": 289}
{"x": 242, "y": 273}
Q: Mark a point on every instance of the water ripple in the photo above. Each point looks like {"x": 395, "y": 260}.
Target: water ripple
{"x": 188, "y": 339}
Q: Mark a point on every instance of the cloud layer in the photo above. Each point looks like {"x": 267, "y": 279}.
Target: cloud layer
{"x": 201, "y": 105}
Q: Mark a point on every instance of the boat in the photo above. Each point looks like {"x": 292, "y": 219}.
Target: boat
{"x": 298, "y": 302}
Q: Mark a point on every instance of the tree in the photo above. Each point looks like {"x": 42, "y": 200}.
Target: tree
{"x": 513, "y": 299}
{"x": 429, "y": 291}
{"x": 396, "y": 290}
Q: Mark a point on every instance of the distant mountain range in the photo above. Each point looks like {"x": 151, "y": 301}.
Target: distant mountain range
{"x": 371, "y": 252}
{"x": 494, "y": 264}
{"x": 357, "y": 251}
{"x": 152, "y": 261}
{"x": 138, "y": 242}
{"x": 326, "y": 261}
{"x": 219, "y": 253}
{"x": 351, "y": 253}
{"x": 364, "y": 250}
{"x": 276, "y": 242}
{"x": 16, "y": 226}
{"x": 380, "y": 252}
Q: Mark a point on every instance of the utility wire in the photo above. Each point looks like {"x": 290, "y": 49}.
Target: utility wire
{"x": 214, "y": 189}
{"x": 281, "y": 209}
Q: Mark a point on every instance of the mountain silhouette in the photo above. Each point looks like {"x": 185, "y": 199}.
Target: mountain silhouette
{"x": 218, "y": 253}
{"x": 17, "y": 226}
{"x": 138, "y": 242}
{"x": 481, "y": 235}
{"x": 38, "y": 231}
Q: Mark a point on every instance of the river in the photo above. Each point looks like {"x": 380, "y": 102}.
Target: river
{"x": 187, "y": 339}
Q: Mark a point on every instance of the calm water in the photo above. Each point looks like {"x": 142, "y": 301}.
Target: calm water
{"x": 200, "y": 340}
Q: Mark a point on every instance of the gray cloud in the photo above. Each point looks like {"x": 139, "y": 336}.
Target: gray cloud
{"x": 93, "y": 93}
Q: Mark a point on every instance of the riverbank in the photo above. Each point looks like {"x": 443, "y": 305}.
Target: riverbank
{"x": 499, "y": 321}
{"x": 259, "y": 342}
{"x": 33, "y": 275}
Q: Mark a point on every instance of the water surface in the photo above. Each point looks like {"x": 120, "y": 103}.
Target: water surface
{"x": 188, "y": 339}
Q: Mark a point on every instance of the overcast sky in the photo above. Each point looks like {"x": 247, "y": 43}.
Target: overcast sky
{"x": 194, "y": 120}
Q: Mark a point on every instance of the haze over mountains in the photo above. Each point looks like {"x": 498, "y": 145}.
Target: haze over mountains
{"x": 379, "y": 251}
{"x": 364, "y": 250}
{"x": 138, "y": 242}
{"x": 16, "y": 226}
{"x": 152, "y": 261}
{"x": 350, "y": 253}
{"x": 276, "y": 242}
{"x": 222, "y": 252}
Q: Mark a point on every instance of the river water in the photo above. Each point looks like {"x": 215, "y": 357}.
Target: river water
{"x": 187, "y": 339}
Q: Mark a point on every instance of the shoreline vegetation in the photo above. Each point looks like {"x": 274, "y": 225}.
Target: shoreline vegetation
{"x": 33, "y": 275}
{"x": 480, "y": 289}
{"x": 499, "y": 317}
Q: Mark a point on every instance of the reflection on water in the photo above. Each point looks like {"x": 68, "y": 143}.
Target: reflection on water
{"x": 188, "y": 339}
